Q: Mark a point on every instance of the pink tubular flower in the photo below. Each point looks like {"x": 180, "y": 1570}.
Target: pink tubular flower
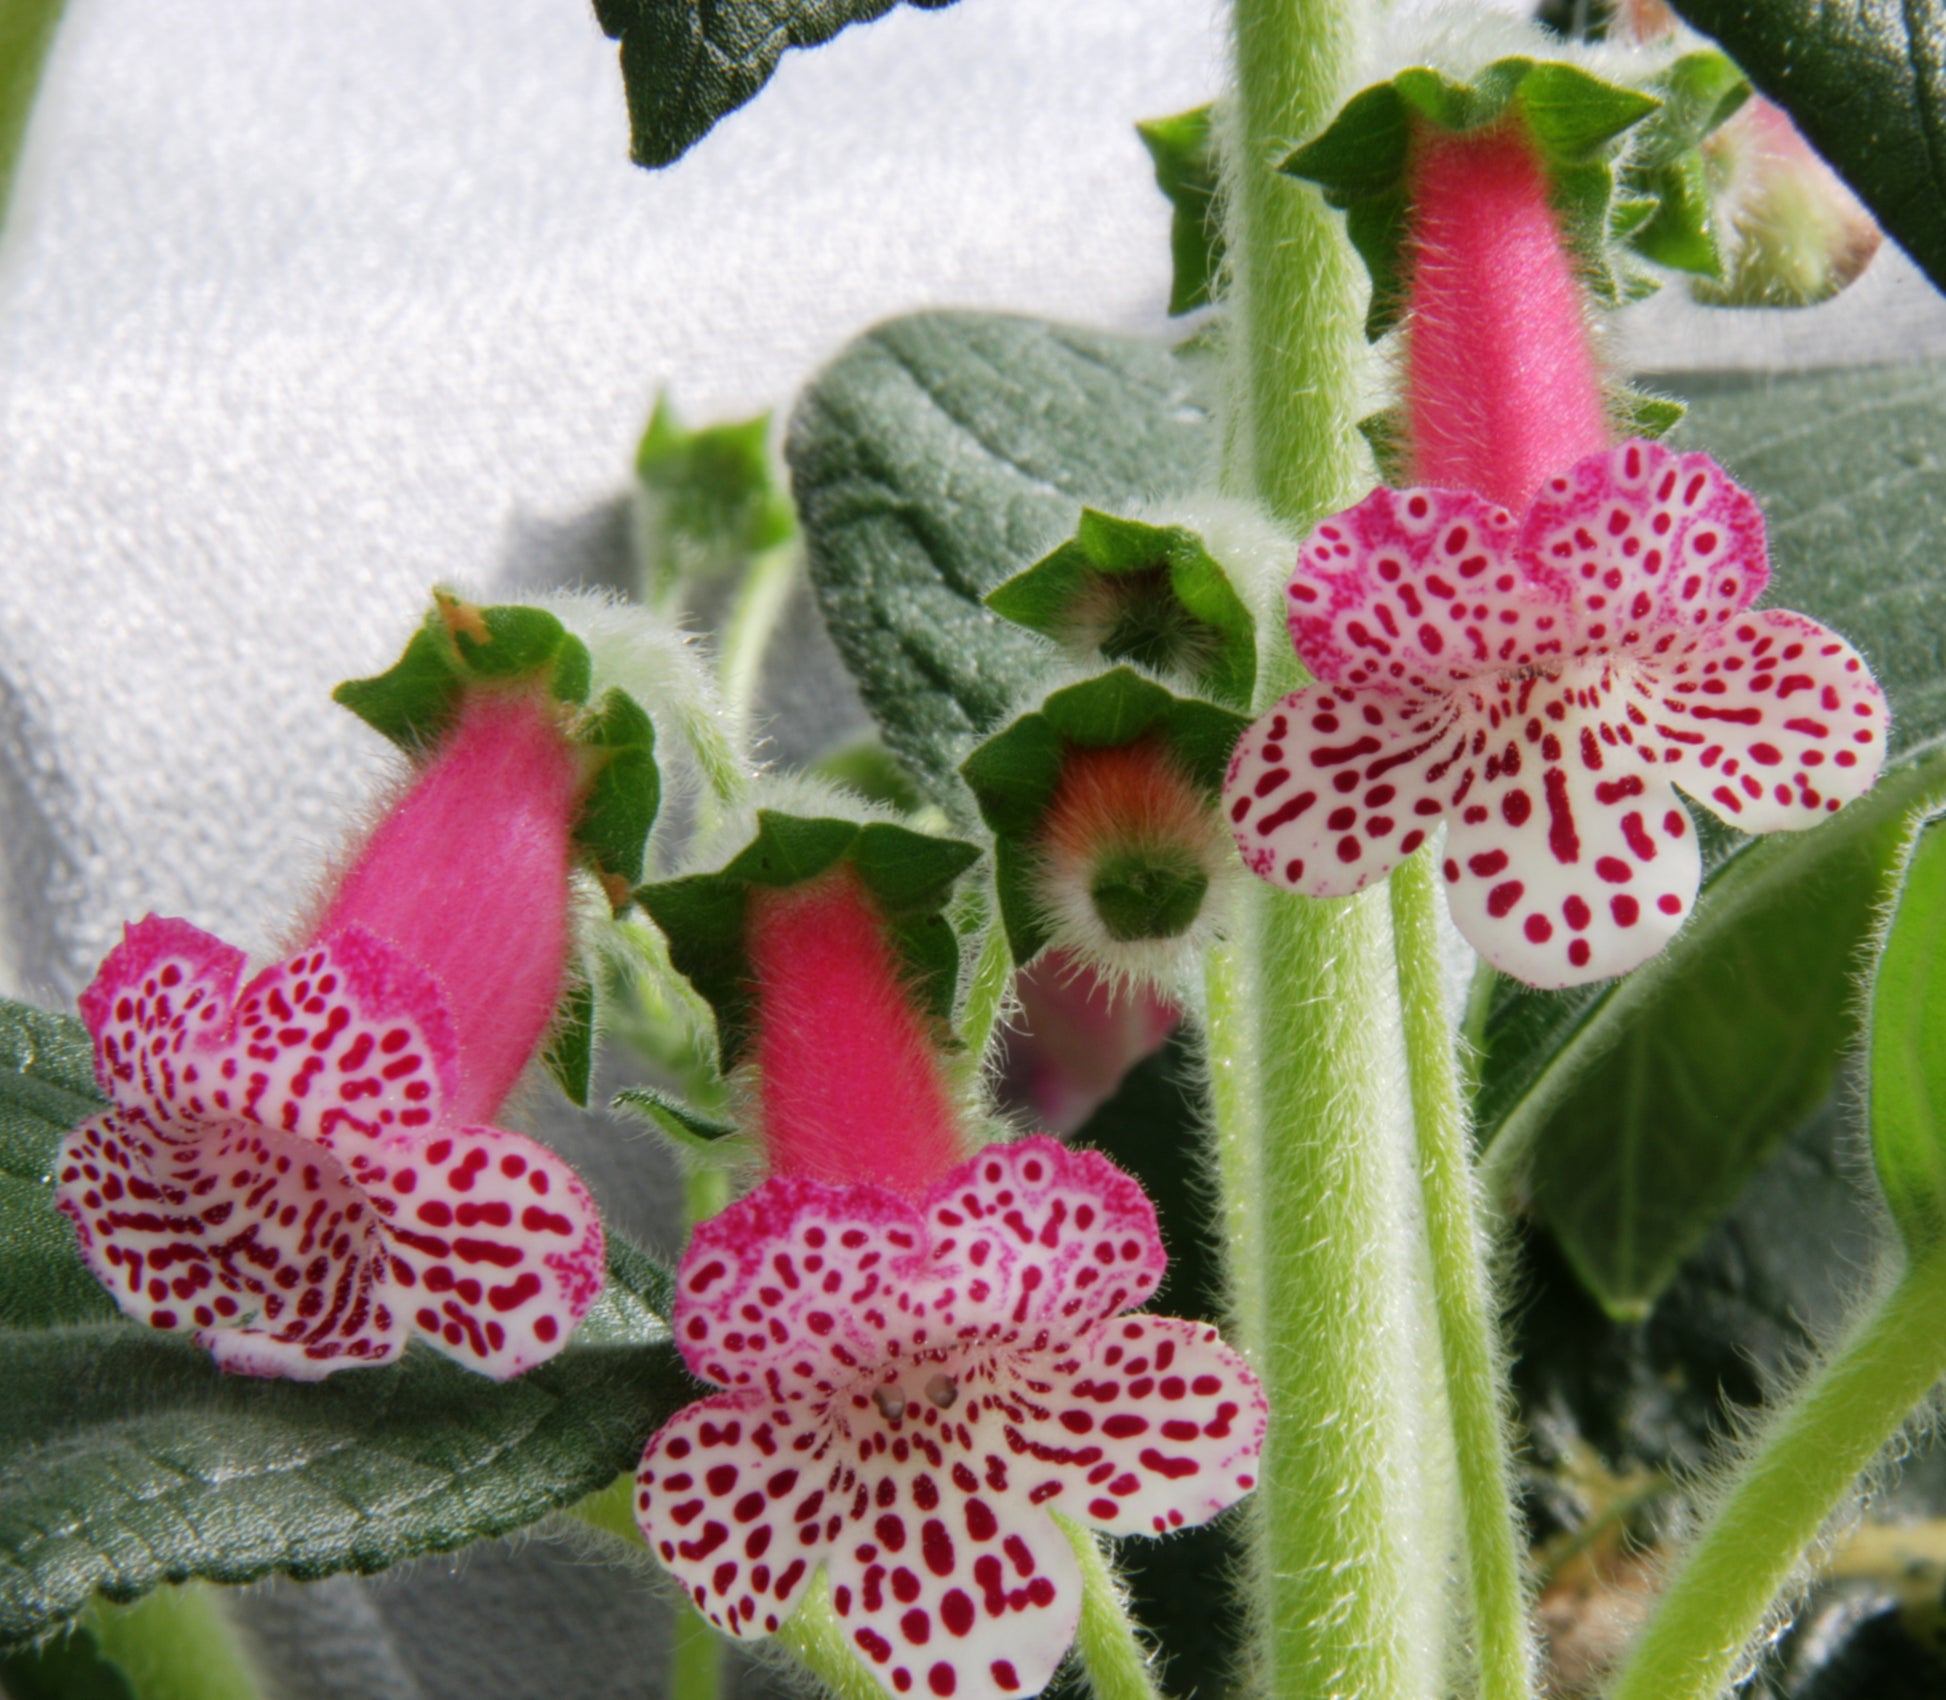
{"x": 910, "y": 1389}
{"x": 293, "y": 1168}
{"x": 1541, "y": 685}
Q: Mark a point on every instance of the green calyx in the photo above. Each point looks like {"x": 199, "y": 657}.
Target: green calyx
{"x": 1183, "y": 150}
{"x": 1613, "y": 203}
{"x": 1150, "y": 594}
{"x": 1631, "y": 413}
{"x": 909, "y": 875}
{"x": 1142, "y": 889}
{"x": 464, "y": 647}
{"x": 706, "y": 500}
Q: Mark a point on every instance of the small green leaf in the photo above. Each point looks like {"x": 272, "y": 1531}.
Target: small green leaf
{"x": 127, "y": 1460}
{"x": 1644, "y": 1106}
{"x": 707, "y": 500}
{"x": 1908, "y": 1049}
{"x": 1183, "y": 149}
{"x": 1363, "y": 159}
{"x": 1014, "y": 776}
{"x": 1666, "y": 167}
{"x": 1866, "y": 83}
{"x": 686, "y": 1126}
{"x": 1151, "y": 594}
{"x": 570, "y": 1054}
{"x": 612, "y": 829}
{"x": 909, "y": 874}
{"x": 689, "y": 63}
{"x": 938, "y": 456}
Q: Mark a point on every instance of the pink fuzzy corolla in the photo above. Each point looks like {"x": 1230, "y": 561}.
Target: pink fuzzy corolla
{"x": 912, "y": 1388}
{"x": 1541, "y": 685}
{"x": 295, "y": 1169}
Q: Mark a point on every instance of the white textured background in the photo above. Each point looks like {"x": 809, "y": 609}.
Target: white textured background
{"x": 305, "y": 306}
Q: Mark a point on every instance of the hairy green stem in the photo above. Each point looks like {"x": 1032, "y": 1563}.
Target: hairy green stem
{"x": 1119, "y": 1666}
{"x": 696, "y": 1660}
{"x": 761, "y": 597}
{"x": 175, "y": 1644}
{"x": 1802, "y": 1471}
{"x": 1503, "y": 1646}
{"x": 1346, "y": 1574}
{"x": 26, "y": 33}
{"x": 817, "y": 1640}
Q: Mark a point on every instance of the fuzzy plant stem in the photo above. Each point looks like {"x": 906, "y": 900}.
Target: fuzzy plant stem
{"x": 1119, "y": 1666}
{"x": 175, "y": 1644}
{"x": 1503, "y": 1645}
{"x": 762, "y": 595}
{"x": 1802, "y": 1472}
{"x": 1345, "y": 1573}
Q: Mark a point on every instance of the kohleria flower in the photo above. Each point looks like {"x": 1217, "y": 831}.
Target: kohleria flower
{"x": 1541, "y": 685}
{"x": 296, "y": 1169}
{"x": 911, "y": 1388}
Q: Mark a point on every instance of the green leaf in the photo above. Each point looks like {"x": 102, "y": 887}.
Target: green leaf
{"x": 1643, "y": 1106}
{"x": 1183, "y": 149}
{"x": 67, "y": 1667}
{"x": 127, "y": 1460}
{"x": 1015, "y": 774}
{"x": 1908, "y": 1049}
{"x": 570, "y": 1054}
{"x": 707, "y": 500}
{"x": 1866, "y": 83}
{"x": 1362, "y": 162}
{"x": 26, "y": 33}
{"x": 689, "y": 63}
{"x": 938, "y": 456}
{"x": 1151, "y": 594}
{"x": 1699, "y": 92}
{"x": 910, "y": 876}
{"x": 682, "y": 1123}
{"x": 612, "y": 829}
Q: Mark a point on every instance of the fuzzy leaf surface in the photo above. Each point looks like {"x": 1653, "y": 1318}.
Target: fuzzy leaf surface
{"x": 688, "y": 63}
{"x": 127, "y": 1460}
{"x": 1865, "y": 80}
{"x": 1647, "y": 1103}
{"x": 938, "y": 456}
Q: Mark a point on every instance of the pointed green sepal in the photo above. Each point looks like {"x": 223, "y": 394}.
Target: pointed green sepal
{"x": 687, "y": 1126}
{"x": 620, "y": 807}
{"x": 1666, "y": 167}
{"x": 570, "y": 1053}
{"x": 1016, "y": 774}
{"x": 1150, "y": 594}
{"x": 1575, "y": 121}
{"x": 1183, "y": 150}
{"x": 706, "y": 500}
{"x": 910, "y": 876}
{"x": 461, "y": 645}
{"x": 1907, "y": 1049}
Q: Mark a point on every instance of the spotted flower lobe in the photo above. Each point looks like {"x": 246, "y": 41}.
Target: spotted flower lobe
{"x": 275, "y": 1173}
{"x": 1541, "y": 686}
{"x": 910, "y": 1390}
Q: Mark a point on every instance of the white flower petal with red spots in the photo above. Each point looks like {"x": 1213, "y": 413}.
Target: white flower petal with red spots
{"x": 1653, "y": 547}
{"x": 1332, "y": 789}
{"x": 1173, "y": 1420}
{"x": 256, "y": 1240}
{"x": 1782, "y": 722}
{"x": 744, "y": 1499}
{"x": 494, "y": 1239}
{"x": 948, "y": 1589}
{"x": 1032, "y": 1235}
{"x": 272, "y": 1169}
{"x": 1632, "y": 661}
{"x": 905, "y": 1363}
{"x": 1414, "y": 590}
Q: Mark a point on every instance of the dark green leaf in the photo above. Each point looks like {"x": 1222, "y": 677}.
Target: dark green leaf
{"x": 938, "y": 456}
{"x": 1908, "y": 1050}
{"x": 707, "y": 500}
{"x": 570, "y": 1054}
{"x": 1362, "y": 162}
{"x": 1627, "y": 1094}
{"x": 127, "y": 1460}
{"x": 65, "y": 1667}
{"x": 1183, "y": 149}
{"x": 1151, "y": 594}
{"x": 1865, "y": 80}
{"x": 909, "y": 874}
{"x": 689, "y": 63}
{"x": 1014, "y": 776}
